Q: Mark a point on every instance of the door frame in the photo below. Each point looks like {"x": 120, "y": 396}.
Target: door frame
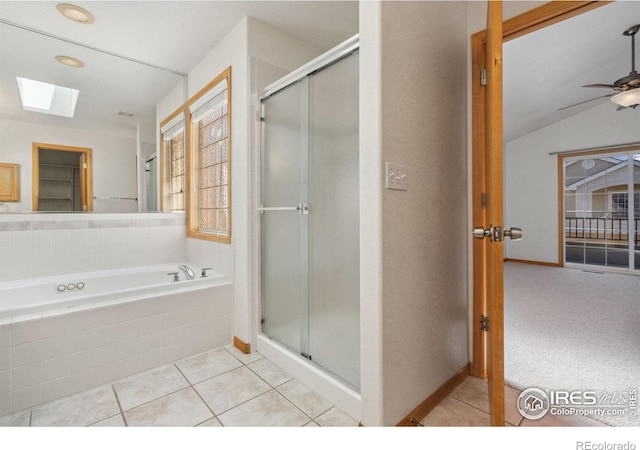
{"x": 528, "y": 22}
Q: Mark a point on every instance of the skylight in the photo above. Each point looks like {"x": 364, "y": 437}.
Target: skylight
{"x": 46, "y": 98}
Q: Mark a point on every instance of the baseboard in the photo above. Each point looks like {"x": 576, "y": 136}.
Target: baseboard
{"x": 537, "y": 263}
{"x": 434, "y": 399}
{"x": 241, "y": 345}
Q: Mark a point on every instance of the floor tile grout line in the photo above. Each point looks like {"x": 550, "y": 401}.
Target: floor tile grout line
{"x": 246, "y": 365}
{"x": 275, "y": 388}
{"x": 294, "y": 405}
{"x": 291, "y": 401}
{"x": 200, "y": 397}
{"x": 153, "y": 399}
{"x": 272, "y": 388}
{"x": 124, "y": 419}
{"x": 475, "y": 407}
{"x": 468, "y": 404}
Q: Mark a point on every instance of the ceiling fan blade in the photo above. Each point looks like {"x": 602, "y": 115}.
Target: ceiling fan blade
{"x": 587, "y": 101}
{"x": 598, "y": 85}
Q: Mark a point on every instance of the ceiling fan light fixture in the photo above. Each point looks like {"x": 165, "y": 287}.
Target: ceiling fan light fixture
{"x": 630, "y": 98}
{"x": 75, "y": 13}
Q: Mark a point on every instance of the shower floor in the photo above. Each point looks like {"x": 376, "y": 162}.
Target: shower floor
{"x": 221, "y": 387}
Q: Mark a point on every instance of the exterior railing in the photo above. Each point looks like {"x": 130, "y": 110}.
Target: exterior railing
{"x": 601, "y": 228}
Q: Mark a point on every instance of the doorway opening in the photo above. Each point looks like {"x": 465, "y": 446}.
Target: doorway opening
{"x": 62, "y": 178}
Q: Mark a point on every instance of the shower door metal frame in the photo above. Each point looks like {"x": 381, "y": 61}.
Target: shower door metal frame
{"x": 334, "y": 55}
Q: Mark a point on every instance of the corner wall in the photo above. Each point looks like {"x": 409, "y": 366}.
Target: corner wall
{"x": 420, "y": 59}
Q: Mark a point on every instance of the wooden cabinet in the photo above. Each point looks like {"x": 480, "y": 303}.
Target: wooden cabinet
{"x": 9, "y": 182}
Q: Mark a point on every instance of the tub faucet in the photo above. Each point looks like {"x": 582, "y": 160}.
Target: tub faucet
{"x": 188, "y": 273}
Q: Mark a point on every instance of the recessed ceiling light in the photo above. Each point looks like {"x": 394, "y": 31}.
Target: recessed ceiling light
{"x": 75, "y": 13}
{"x": 69, "y": 61}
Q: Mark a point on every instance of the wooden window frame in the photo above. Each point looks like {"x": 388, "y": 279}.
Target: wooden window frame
{"x": 165, "y": 164}
{"x": 193, "y": 229}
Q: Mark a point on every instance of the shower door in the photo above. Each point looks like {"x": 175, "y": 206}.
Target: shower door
{"x": 309, "y": 219}
{"x": 283, "y": 221}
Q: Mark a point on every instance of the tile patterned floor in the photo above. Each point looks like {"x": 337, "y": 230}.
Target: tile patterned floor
{"x": 222, "y": 387}
{"x": 468, "y": 405}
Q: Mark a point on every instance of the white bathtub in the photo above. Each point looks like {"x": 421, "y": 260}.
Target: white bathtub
{"x": 64, "y": 293}
{"x": 121, "y": 322}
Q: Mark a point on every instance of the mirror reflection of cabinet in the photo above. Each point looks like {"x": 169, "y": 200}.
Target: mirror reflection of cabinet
{"x": 61, "y": 178}
{"x": 9, "y": 182}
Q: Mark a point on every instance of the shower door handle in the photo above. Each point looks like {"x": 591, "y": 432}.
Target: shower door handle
{"x": 302, "y": 208}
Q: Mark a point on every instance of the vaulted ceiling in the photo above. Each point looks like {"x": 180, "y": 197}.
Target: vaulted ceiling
{"x": 545, "y": 70}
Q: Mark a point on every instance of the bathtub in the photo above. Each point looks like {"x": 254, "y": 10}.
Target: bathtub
{"x": 63, "y": 293}
{"x": 103, "y": 326}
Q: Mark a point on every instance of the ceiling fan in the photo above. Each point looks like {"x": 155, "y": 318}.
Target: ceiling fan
{"x": 627, "y": 89}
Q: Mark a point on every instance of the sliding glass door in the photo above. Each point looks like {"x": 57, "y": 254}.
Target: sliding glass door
{"x": 602, "y": 210}
{"x": 283, "y": 226}
{"x": 309, "y": 219}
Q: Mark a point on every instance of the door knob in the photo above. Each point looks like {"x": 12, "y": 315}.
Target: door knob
{"x": 481, "y": 233}
{"x": 497, "y": 233}
{"x": 514, "y": 233}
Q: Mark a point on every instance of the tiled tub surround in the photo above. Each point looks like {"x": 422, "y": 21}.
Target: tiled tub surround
{"x": 52, "y": 355}
{"x": 40, "y": 244}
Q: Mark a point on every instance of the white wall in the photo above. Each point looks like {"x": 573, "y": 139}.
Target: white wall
{"x": 413, "y": 60}
{"x": 114, "y": 159}
{"x": 531, "y": 174}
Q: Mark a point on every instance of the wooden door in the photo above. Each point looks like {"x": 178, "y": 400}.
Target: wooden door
{"x": 488, "y": 275}
{"x": 494, "y": 272}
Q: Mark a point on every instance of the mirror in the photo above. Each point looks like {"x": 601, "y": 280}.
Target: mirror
{"x": 115, "y": 117}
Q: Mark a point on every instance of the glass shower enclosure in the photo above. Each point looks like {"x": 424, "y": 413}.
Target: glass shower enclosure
{"x": 309, "y": 217}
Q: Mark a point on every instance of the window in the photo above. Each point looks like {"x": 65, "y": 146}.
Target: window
{"x": 173, "y": 162}
{"x": 209, "y": 212}
{"x": 620, "y": 204}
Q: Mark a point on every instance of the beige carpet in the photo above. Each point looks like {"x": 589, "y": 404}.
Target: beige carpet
{"x": 567, "y": 329}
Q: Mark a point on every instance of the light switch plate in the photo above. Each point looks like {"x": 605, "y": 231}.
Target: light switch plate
{"x": 396, "y": 176}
